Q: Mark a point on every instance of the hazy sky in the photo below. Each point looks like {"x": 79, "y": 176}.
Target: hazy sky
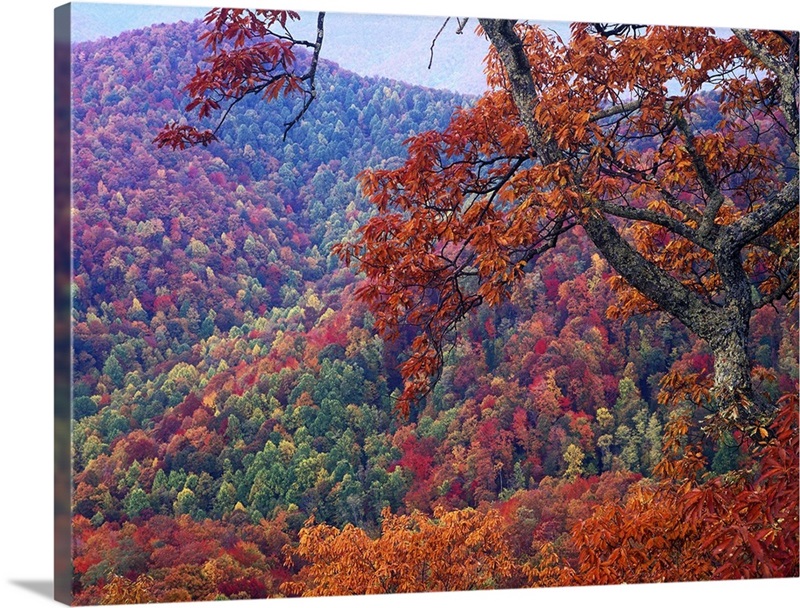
{"x": 397, "y": 47}
{"x": 91, "y": 21}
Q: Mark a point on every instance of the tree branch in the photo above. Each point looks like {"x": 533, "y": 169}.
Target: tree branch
{"x": 625, "y": 108}
{"x": 715, "y": 197}
{"x": 659, "y": 219}
{"x": 751, "y": 226}
{"x": 310, "y": 76}
{"x": 786, "y": 73}
{"x": 512, "y": 53}
{"x": 658, "y": 286}
{"x": 677, "y": 204}
{"x": 435, "y": 38}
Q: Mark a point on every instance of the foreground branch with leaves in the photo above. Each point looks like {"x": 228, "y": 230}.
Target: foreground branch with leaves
{"x": 605, "y": 133}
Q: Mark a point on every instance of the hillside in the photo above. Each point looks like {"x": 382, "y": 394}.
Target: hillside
{"x": 228, "y": 386}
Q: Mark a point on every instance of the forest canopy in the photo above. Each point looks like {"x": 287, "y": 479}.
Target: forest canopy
{"x": 358, "y": 328}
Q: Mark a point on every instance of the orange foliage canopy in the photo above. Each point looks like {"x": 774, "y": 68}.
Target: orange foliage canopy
{"x": 455, "y": 550}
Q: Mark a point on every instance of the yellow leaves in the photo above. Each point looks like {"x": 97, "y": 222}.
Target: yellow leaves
{"x": 121, "y": 590}
{"x": 210, "y": 399}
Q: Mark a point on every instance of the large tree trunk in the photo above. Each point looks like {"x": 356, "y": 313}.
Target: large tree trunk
{"x": 731, "y": 362}
{"x": 728, "y": 339}
{"x": 724, "y": 326}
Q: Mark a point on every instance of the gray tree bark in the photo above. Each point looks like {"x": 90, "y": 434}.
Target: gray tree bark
{"x": 724, "y": 326}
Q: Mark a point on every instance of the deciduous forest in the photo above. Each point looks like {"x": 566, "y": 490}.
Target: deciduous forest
{"x": 423, "y": 341}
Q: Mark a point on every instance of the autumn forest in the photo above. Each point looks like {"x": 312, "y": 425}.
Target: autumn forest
{"x": 385, "y": 338}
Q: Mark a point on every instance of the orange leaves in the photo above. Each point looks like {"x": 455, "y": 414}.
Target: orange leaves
{"x": 548, "y": 570}
{"x": 631, "y": 301}
{"x": 455, "y": 550}
{"x": 641, "y": 541}
{"x": 679, "y": 529}
{"x": 285, "y": 83}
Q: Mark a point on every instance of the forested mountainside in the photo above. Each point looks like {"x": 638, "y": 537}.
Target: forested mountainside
{"x": 229, "y": 388}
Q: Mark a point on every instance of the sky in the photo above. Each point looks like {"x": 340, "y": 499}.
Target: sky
{"x": 91, "y": 21}
{"x": 394, "y": 46}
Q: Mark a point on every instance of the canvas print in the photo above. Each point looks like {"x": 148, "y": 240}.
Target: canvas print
{"x": 352, "y": 304}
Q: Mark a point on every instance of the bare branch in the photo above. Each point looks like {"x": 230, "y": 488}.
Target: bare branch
{"x": 435, "y": 38}
{"x": 606, "y": 30}
{"x": 751, "y": 226}
{"x": 309, "y": 76}
{"x": 625, "y": 108}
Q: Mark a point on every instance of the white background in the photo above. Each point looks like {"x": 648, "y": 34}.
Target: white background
{"x": 26, "y": 250}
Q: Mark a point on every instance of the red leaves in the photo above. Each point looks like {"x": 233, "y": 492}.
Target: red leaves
{"x": 241, "y": 25}
{"x": 182, "y": 136}
{"x": 251, "y": 52}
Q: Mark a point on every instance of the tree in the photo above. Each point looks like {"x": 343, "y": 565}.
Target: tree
{"x": 135, "y": 502}
{"x": 456, "y": 550}
{"x": 604, "y": 134}
{"x": 573, "y": 457}
{"x": 607, "y": 133}
{"x": 113, "y": 370}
